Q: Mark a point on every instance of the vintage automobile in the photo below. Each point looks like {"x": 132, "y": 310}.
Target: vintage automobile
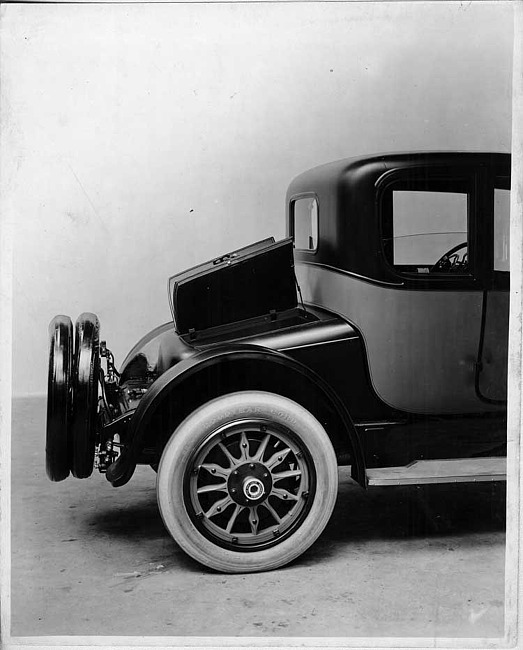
{"x": 375, "y": 335}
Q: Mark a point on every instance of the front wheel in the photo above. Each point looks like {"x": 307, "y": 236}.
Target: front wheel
{"x": 247, "y": 482}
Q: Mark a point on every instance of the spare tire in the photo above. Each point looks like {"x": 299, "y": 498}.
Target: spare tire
{"x": 85, "y": 395}
{"x": 57, "y": 447}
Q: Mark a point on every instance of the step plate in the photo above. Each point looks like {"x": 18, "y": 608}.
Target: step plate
{"x": 454, "y": 470}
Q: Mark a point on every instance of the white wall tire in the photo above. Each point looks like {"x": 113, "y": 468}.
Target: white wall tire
{"x": 247, "y": 482}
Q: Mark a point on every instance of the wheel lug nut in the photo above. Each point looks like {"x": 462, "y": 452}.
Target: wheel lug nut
{"x": 235, "y": 472}
{"x": 251, "y": 465}
{"x": 233, "y": 490}
{"x": 265, "y": 475}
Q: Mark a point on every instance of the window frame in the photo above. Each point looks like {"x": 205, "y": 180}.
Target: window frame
{"x": 432, "y": 178}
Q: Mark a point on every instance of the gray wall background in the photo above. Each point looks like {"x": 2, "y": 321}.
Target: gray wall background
{"x": 143, "y": 139}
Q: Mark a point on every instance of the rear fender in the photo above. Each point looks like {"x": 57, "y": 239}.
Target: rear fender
{"x": 171, "y": 389}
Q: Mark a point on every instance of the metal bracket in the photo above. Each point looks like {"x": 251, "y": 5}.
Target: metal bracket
{"x": 119, "y": 423}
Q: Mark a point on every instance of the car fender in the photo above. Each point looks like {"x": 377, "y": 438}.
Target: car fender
{"x": 166, "y": 385}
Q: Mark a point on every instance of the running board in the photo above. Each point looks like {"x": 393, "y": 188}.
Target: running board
{"x": 454, "y": 470}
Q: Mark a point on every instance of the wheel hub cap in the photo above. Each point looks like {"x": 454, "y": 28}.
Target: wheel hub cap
{"x": 253, "y": 488}
{"x": 250, "y": 484}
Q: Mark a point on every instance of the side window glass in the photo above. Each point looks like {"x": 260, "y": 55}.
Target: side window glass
{"x": 305, "y": 223}
{"x": 501, "y": 229}
{"x": 429, "y": 232}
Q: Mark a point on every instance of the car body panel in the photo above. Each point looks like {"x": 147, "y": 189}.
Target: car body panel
{"x": 493, "y": 379}
{"x": 163, "y": 392}
{"x": 422, "y": 346}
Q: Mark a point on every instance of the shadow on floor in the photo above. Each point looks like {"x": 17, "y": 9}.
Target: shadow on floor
{"x": 391, "y": 513}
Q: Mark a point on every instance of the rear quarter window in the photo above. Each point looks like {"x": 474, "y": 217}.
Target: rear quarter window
{"x": 304, "y": 223}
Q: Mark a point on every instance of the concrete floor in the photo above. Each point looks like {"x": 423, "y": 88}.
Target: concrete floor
{"x": 88, "y": 559}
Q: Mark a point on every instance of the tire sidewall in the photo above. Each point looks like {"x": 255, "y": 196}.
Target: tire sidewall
{"x": 85, "y": 395}
{"x": 195, "y": 429}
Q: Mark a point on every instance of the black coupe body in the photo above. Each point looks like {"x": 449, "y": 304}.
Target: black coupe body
{"x": 375, "y": 335}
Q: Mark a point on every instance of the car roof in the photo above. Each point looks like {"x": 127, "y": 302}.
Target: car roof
{"x": 353, "y": 168}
